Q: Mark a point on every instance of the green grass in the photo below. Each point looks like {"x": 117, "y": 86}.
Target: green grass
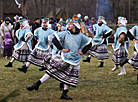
{"x": 94, "y": 85}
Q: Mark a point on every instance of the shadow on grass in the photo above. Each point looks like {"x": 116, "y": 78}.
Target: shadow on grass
{"x": 10, "y": 95}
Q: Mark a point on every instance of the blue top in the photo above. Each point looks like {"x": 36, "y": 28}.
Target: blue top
{"x": 116, "y": 44}
{"x": 134, "y": 32}
{"x": 73, "y": 43}
{"x": 42, "y": 35}
{"x": 100, "y": 31}
{"x": 22, "y": 33}
{"x": 55, "y": 50}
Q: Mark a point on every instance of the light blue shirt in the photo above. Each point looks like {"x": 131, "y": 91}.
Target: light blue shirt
{"x": 100, "y": 31}
{"x": 22, "y": 33}
{"x": 116, "y": 44}
{"x": 73, "y": 43}
{"x": 134, "y": 32}
{"x": 42, "y": 35}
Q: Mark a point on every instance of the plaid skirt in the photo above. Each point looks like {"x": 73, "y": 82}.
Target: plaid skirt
{"x": 37, "y": 56}
{"x": 134, "y": 60}
{"x": 21, "y": 55}
{"x": 99, "y": 51}
{"x": 62, "y": 71}
{"x": 119, "y": 55}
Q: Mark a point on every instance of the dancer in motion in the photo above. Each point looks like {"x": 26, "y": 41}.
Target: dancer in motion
{"x": 41, "y": 49}
{"x": 100, "y": 41}
{"x": 65, "y": 67}
{"x": 121, "y": 44}
{"x": 133, "y": 35}
{"x": 23, "y": 47}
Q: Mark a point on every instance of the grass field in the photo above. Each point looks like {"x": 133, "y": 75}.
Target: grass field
{"x": 94, "y": 85}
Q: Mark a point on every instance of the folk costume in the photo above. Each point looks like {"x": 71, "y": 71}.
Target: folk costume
{"x": 23, "y": 47}
{"x": 120, "y": 48}
{"x": 133, "y": 35}
{"x": 65, "y": 67}
{"x": 42, "y": 48}
{"x": 100, "y": 41}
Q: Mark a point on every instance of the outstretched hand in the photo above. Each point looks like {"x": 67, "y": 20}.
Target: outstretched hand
{"x": 65, "y": 50}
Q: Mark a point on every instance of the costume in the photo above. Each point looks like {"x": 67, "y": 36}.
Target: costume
{"x": 120, "y": 49}
{"x": 133, "y": 35}
{"x": 99, "y": 45}
{"x": 65, "y": 67}
{"x": 23, "y": 47}
{"x": 41, "y": 50}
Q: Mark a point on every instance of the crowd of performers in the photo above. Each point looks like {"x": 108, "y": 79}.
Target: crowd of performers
{"x": 58, "y": 52}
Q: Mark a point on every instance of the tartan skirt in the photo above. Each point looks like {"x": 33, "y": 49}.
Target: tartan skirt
{"x": 37, "y": 56}
{"x": 99, "y": 51}
{"x": 21, "y": 55}
{"x": 119, "y": 55}
{"x": 62, "y": 71}
{"x": 134, "y": 60}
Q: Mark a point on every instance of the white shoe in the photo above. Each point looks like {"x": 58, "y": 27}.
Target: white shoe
{"x": 123, "y": 72}
{"x": 115, "y": 68}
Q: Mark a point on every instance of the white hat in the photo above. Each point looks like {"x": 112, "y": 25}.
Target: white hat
{"x": 122, "y": 20}
{"x": 79, "y": 15}
{"x": 102, "y": 19}
{"x": 86, "y": 17}
{"x": 77, "y": 25}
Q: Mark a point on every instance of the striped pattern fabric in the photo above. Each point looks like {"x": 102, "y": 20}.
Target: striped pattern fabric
{"x": 62, "y": 71}
{"x": 99, "y": 51}
{"x": 21, "y": 55}
{"x": 134, "y": 60}
{"x": 119, "y": 55}
{"x": 37, "y": 56}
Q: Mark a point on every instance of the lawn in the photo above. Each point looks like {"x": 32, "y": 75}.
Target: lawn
{"x": 94, "y": 85}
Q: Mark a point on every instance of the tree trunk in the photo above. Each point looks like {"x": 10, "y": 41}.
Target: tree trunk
{"x": 41, "y": 7}
{"x": 1, "y": 9}
{"x": 36, "y": 5}
{"x": 67, "y": 10}
{"x": 54, "y": 10}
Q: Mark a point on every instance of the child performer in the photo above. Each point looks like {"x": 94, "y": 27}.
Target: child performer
{"x": 133, "y": 35}
{"x": 100, "y": 41}
{"x": 120, "y": 45}
{"x": 65, "y": 67}
{"x": 41, "y": 49}
{"x": 23, "y": 47}
{"x": 8, "y": 45}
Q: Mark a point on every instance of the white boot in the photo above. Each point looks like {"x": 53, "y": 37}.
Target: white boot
{"x": 115, "y": 68}
{"x": 123, "y": 72}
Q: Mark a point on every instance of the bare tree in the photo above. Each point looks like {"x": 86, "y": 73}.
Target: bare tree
{"x": 36, "y": 5}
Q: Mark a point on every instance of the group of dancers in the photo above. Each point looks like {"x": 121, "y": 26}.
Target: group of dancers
{"x": 59, "y": 52}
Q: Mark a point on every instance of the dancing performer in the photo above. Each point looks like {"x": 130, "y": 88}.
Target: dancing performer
{"x": 121, "y": 44}
{"x": 23, "y": 47}
{"x": 65, "y": 67}
{"x": 41, "y": 49}
{"x": 100, "y": 41}
{"x": 133, "y": 35}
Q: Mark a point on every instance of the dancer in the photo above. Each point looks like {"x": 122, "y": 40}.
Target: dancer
{"x": 23, "y": 47}
{"x": 100, "y": 41}
{"x": 65, "y": 67}
{"x": 41, "y": 49}
{"x": 120, "y": 45}
{"x": 132, "y": 34}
